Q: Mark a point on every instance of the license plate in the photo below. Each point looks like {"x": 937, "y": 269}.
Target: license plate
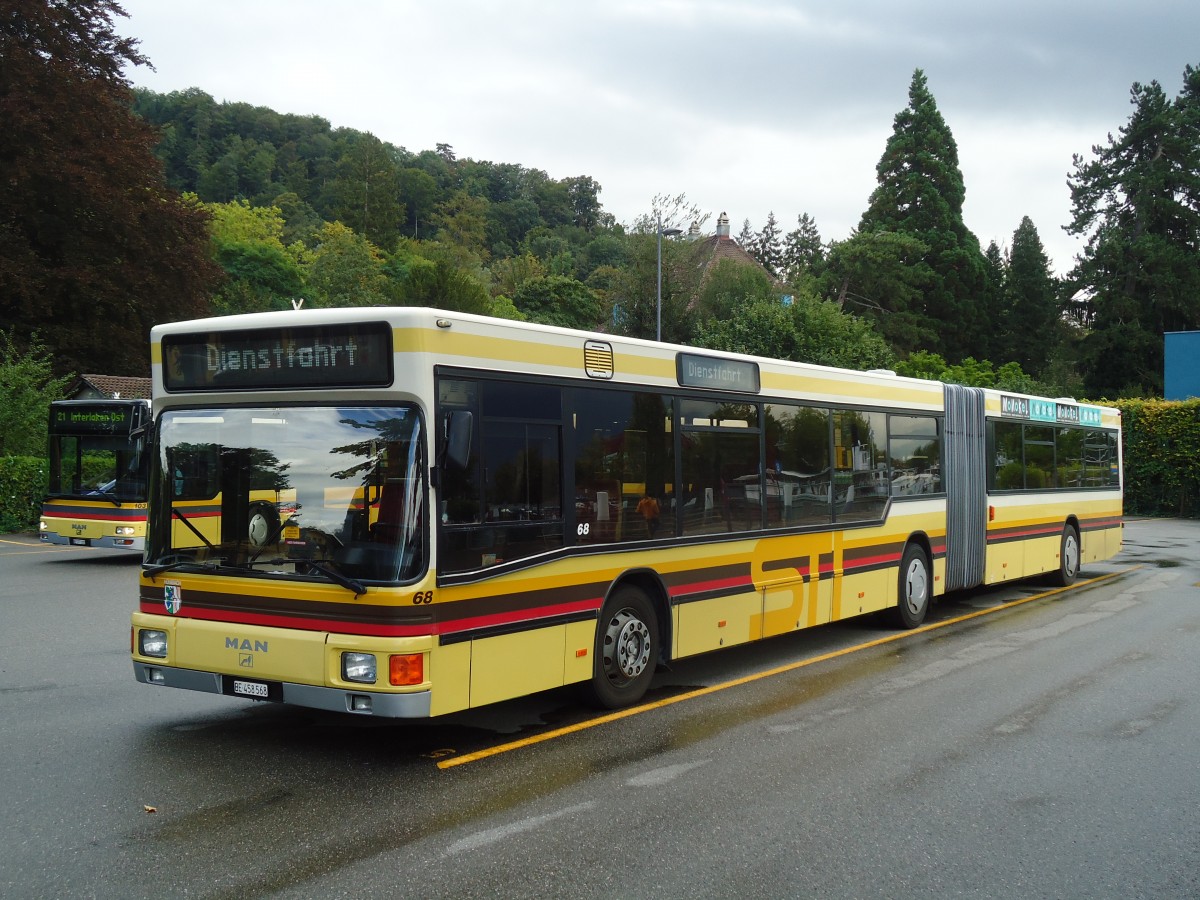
{"x": 80, "y": 542}
{"x": 251, "y": 689}
{"x": 233, "y": 686}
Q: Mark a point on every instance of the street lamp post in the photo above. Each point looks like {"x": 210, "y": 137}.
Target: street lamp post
{"x": 670, "y": 232}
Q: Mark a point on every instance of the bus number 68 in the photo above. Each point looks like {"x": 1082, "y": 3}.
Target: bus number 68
{"x": 422, "y": 597}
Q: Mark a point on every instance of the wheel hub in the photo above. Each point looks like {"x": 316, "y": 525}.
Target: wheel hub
{"x": 627, "y": 646}
{"x": 915, "y": 586}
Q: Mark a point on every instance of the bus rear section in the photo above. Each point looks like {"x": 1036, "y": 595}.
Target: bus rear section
{"x": 98, "y": 474}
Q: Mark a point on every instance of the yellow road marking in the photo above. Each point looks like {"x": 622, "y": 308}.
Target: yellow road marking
{"x": 44, "y": 548}
{"x": 748, "y": 679}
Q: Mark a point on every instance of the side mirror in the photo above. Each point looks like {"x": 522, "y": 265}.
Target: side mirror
{"x": 458, "y": 437}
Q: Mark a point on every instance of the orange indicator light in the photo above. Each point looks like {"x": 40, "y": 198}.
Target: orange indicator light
{"x": 407, "y": 669}
{"x": 581, "y": 653}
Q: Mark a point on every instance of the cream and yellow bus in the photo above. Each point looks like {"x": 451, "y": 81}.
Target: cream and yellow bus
{"x": 97, "y": 476}
{"x": 408, "y": 512}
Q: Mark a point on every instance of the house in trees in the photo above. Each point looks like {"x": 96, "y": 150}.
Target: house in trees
{"x": 721, "y": 246}
{"x": 108, "y": 387}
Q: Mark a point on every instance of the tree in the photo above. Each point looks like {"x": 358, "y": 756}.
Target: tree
{"x": 747, "y": 239}
{"x": 1030, "y": 303}
{"x": 510, "y": 273}
{"x": 920, "y": 193}
{"x": 92, "y": 242}
{"x": 365, "y": 194}
{"x": 557, "y": 300}
{"x": 461, "y": 223}
{"x": 810, "y": 330}
{"x": 884, "y": 277}
{"x": 418, "y": 192}
{"x": 1138, "y": 205}
{"x": 803, "y": 251}
{"x": 346, "y": 270}
{"x": 731, "y": 285}
{"x": 27, "y": 385}
{"x": 427, "y": 274}
{"x": 768, "y": 246}
{"x": 970, "y": 372}
{"x": 261, "y": 274}
{"x": 632, "y": 291}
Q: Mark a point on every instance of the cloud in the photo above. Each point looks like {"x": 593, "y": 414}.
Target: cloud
{"x": 747, "y": 107}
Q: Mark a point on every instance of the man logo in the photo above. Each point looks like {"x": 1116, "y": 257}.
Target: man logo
{"x": 233, "y": 643}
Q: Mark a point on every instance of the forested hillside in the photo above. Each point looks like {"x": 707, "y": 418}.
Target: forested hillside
{"x": 125, "y": 208}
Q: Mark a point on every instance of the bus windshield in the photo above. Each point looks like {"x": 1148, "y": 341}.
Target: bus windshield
{"x": 100, "y": 467}
{"x": 329, "y": 492}
{"x": 96, "y": 450}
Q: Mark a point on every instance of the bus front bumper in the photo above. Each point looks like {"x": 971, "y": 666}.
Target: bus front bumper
{"x": 363, "y": 703}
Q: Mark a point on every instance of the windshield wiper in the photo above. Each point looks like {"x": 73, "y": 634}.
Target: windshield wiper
{"x": 210, "y": 564}
{"x": 350, "y": 584}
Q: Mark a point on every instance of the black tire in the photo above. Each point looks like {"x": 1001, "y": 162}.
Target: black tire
{"x": 1068, "y": 557}
{"x": 915, "y": 588}
{"x": 262, "y": 521}
{"x": 626, "y": 649}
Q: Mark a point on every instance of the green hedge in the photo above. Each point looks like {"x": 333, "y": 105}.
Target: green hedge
{"x": 1162, "y": 457}
{"x": 23, "y": 483}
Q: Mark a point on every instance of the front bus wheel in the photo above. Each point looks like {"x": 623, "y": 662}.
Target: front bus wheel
{"x": 626, "y": 649}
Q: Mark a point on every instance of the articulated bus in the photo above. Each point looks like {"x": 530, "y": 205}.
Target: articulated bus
{"x": 98, "y": 470}
{"x": 408, "y": 512}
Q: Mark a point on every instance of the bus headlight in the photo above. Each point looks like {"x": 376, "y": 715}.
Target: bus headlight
{"x": 42, "y": 526}
{"x": 125, "y": 529}
{"x": 359, "y": 667}
{"x": 152, "y": 643}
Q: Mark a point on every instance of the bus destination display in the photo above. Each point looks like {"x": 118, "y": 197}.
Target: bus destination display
{"x": 347, "y": 355}
{"x": 92, "y": 419}
{"x": 717, "y": 374}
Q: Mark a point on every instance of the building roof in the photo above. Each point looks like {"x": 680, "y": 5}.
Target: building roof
{"x": 110, "y": 387}
{"x": 721, "y": 246}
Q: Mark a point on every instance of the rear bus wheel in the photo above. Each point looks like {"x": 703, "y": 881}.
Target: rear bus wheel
{"x": 626, "y": 649}
{"x": 914, "y": 589}
{"x": 1068, "y": 557}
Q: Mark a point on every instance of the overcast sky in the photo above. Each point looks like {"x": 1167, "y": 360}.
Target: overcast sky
{"x": 745, "y": 106}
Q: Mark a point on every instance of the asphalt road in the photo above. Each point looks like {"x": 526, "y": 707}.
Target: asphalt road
{"x": 1032, "y": 744}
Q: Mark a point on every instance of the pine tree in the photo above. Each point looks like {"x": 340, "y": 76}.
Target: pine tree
{"x": 920, "y": 193}
{"x": 992, "y": 306}
{"x": 768, "y": 248}
{"x": 1138, "y": 204}
{"x": 1031, "y": 302}
{"x": 746, "y": 237}
{"x": 802, "y": 249}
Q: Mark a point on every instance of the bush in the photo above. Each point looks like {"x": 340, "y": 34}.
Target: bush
{"x": 1162, "y": 457}
{"x": 23, "y": 483}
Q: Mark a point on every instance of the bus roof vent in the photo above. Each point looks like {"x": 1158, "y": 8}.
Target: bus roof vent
{"x": 888, "y": 372}
{"x": 598, "y": 359}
